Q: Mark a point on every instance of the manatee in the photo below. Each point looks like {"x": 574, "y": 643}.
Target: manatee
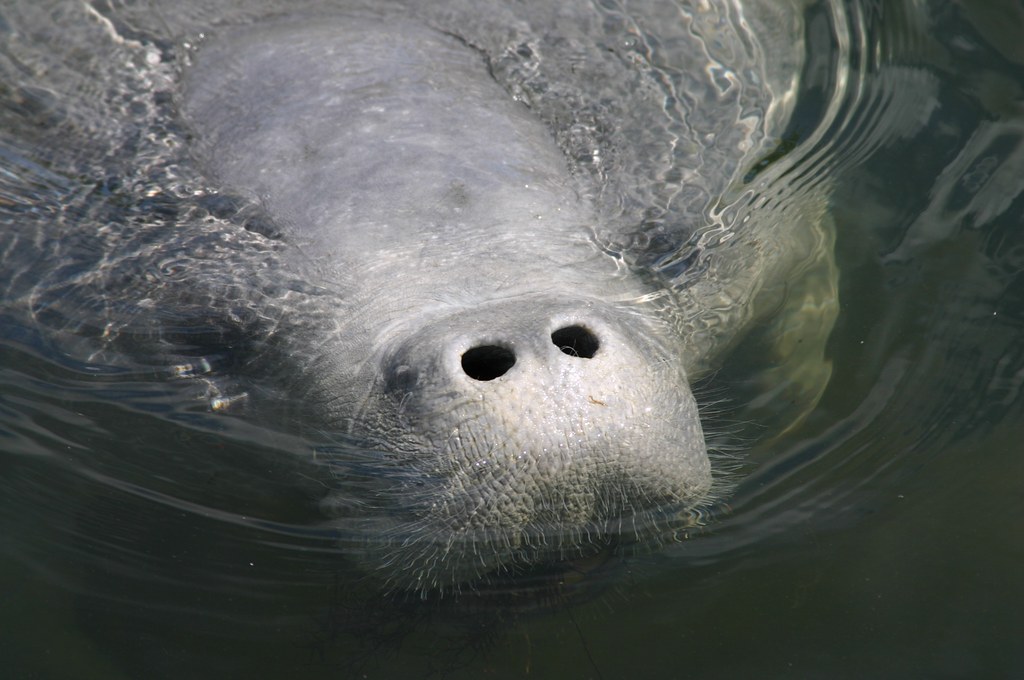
{"x": 399, "y": 242}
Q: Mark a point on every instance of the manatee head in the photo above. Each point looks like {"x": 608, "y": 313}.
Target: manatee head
{"x": 518, "y": 432}
{"x": 507, "y": 393}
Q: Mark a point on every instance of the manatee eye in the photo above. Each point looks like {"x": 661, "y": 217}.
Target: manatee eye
{"x": 576, "y": 341}
{"x": 487, "y": 362}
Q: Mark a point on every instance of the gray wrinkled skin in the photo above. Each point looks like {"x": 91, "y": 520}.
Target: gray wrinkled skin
{"x": 444, "y": 209}
{"x": 451, "y": 267}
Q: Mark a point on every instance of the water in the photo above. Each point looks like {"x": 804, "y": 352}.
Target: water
{"x": 879, "y": 538}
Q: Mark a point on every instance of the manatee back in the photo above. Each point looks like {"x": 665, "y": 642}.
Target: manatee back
{"x": 368, "y": 138}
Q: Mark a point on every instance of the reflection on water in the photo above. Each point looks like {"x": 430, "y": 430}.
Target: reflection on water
{"x": 880, "y": 538}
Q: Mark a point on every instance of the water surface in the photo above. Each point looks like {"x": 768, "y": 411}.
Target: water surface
{"x": 879, "y": 538}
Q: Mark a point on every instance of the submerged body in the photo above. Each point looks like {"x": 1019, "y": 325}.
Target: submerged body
{"x": 439, "y": 285}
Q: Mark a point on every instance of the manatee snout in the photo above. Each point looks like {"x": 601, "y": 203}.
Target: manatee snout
{"x": 529, "y": 431}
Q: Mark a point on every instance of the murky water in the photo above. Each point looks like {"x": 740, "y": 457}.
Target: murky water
{"x": 879, "y": 538}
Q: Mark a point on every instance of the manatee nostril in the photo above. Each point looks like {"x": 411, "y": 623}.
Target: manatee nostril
{"x": 487, "y": 362}
{"x": 576, "y": 341}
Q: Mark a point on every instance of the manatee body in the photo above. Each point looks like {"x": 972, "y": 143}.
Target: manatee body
{"x": 436, "y": 290}
{"x": 484, "y": 342}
